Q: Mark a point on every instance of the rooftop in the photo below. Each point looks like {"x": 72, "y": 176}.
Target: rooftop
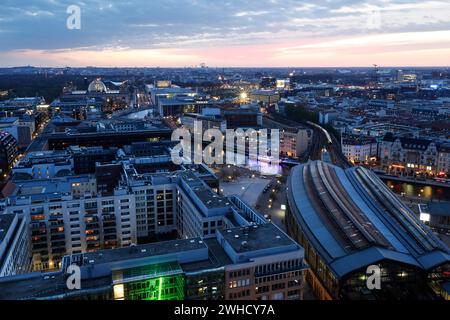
{"x": 256, "y": 237}
{"x": 6, "y": 221}
{"x": 142, "y": 251}
{"x": 353, "y": 220}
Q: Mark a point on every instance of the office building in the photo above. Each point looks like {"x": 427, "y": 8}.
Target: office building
{"x": 15, "y": 254}
{"x": 258, "y": 262}
{"x": 8, "y": 152}
{"x": 126, "y": 201}
{"x": 266, "y": 97}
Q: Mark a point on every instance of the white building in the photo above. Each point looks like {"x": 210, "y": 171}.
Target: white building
{"x": 15, "y": 254}
{"x": 408, "y": 155}
{"x": 443, "y": 159}
{"x": 44, "y": 165}
{"x": 294, "y": 141}
{"x": 358, "y": 149}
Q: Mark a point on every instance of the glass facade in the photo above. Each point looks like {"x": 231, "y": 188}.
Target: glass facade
{"x": 162, "y": 281}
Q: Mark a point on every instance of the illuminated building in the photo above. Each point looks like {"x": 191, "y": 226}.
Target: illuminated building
{"x": 409, "y": 155}
{"x": 8, "y": 152}
{"x": 256, "y": 262}
{"x": 358, "y": 149}
{"x": 76, "y": 103}
{"x": 267, "y": 97}
{"x": 443, "y": 159}
{"x": 295, "y": 141}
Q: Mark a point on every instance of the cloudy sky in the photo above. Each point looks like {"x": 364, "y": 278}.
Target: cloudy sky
{"x": 226, "y": 33}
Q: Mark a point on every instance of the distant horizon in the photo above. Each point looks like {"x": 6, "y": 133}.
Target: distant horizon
{"x": 230, "y": 67}
{"x": 263, "y": 34}
{"x": 267, "y": 33}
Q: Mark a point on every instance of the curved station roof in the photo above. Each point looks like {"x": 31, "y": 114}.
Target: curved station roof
{"x": 353, "y": 220}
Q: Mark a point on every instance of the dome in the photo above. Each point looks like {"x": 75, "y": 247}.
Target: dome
{"x": 97, "y": 86}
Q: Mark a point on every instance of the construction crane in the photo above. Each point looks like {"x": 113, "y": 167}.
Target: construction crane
{"x": 376, "y": 67}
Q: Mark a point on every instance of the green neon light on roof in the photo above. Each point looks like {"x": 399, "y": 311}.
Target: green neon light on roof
{"x": 160, "y": 287}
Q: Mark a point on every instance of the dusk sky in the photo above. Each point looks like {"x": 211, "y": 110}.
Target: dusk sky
{"x": 180, "y": 33}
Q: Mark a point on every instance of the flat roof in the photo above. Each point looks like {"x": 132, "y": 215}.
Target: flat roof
{"x": 6, "y": 221}
{"x": 439, "y": 208}
{"x": 256, "y": 237}
{"x": 32, "y": 286}
{"x": 209, "y": 198}
{"x": 46, "y": 189}
{"x": 142, "y": 251}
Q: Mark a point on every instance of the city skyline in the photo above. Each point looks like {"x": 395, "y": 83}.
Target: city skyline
{"x": 211, "y": 151}
{"x": 269, "y": 33}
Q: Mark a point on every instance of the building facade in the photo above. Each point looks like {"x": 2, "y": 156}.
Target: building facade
{"x": 294, "y": 141}
{"x": 15, "y": 249}
{"x": 408, "y": 155}
{"x": 268, "y": 266}
{"x": 358, "y": 149}
{"x": 8, "y": 152}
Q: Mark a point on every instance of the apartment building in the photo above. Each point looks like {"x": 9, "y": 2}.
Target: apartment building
{"x": 443, "y": 159}
{"x": 294, "y": 141}
{"x": 408, "y": 155}
{"x": 359, "y": 149}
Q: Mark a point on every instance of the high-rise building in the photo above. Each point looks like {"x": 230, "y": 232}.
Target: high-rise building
{"x": 8, "y": 152}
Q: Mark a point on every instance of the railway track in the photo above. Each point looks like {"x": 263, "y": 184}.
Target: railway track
{"x": 321, "y": 140}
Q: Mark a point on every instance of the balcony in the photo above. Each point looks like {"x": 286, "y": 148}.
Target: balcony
{"x": 109, "y": 231}
{"x": 91, "y": 219}
{"x": 110, "y": 237}
{"x": 38, "y": 225}
{"x": 57, "y": 223}
{"x": 90, "y": 211}
{"x": 110, "y": 244}
{"x": 93, "y": 246}
{"x": 38, "y": 232}
{"x": 58, "y": 244}
{"x": 57, "y": 231}
{"x": 56, "y": 238}
{"x": 37, "y": 240}
{"x": 92, "y": 232}
{"x": 92, "y": 228}
{"x": 58, "y": 250}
